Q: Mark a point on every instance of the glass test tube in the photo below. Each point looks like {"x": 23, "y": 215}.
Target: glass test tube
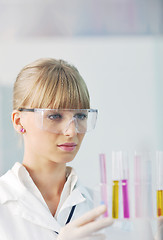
{"x": 138, "y": 185}
{"x": 149, "y": 186}
{"x": 159, "y": 203}
{"x": 124, "y": 180}
{"x": 115, "y": 187}
{"x": 103, "y": 174}
{"x": 159, "y": 195}
{"x": 143, "y": 185}
{"x": 115, "y": 200}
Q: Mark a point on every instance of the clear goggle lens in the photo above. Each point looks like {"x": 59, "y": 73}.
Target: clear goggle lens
{"x": 59, "y": 120}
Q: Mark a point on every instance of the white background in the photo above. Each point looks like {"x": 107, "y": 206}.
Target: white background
{"x": 124, "y": 77}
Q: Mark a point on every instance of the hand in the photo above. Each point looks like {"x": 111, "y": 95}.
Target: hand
{"x": 84, "y": 227}
{"x": 159, "y": 235}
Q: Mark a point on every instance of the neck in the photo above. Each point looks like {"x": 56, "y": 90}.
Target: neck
{"x": 48, "y": 176}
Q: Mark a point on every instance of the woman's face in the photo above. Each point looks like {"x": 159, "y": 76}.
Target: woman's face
{"x": 59, "y": 148}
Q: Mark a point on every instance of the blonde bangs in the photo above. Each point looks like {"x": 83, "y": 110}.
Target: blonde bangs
{"x": 53, "y": 84}
{"x": 70, "y": 95}
{"x": 61, "y": 90}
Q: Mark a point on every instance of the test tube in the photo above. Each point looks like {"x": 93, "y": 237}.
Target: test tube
{"x": 138, "y": 185}
{"x": 148, "y": 188}
{"x": 103, "y": 174}
{"x": 124, "y": 180}
{"x": 115, "y": 187}
{"x": 143, "y": 185}
{"x": 159, "y": 169}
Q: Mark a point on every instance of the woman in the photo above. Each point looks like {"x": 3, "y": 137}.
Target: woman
{"x": 51, "y": 110}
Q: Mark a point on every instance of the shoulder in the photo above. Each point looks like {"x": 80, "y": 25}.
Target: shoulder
{"x": 8, "y": 187}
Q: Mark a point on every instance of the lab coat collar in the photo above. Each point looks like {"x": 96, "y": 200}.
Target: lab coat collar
{"x": 78, "y": 195}
{"x": 24, "y": 203}
{"x": 29, "y": 208}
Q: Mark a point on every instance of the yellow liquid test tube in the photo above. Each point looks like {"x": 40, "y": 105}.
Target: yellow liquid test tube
{"x": 159, "y": 203}
{"x": 159, "y": 167}
{"x": 115, "y": 199}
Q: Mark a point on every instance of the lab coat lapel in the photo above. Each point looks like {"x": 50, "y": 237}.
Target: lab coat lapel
{"x": 74, "y": 198}
{"x": 26, "y": 205}
{"x": 30, "y": 208}
{"x": 33, "y": 210}
{"x": 23, "y": 203}
{"x": 77, "y": 196}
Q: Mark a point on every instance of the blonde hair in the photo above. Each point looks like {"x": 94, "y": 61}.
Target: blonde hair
{"x": 50, "y": 83}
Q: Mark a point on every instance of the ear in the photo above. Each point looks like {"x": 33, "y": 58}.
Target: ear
{"x": 16, "y": 120}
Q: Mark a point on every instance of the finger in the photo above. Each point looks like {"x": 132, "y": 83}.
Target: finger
{"x": 95, "y": 226}
{"x": 89, "y": 216}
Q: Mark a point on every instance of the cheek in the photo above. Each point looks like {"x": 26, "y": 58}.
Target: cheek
{"x": 80, "y": 138}
{"x": 40, "y": 141}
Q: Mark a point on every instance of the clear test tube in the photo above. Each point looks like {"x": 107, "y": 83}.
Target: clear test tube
{"x": 115, "y": 184}
{"x": 148, "y": 188}
{"x": 143, "y": 185}
{"x": 138, "y": 184}
{"x": 159, "y": 182}
{"x": 125, "y": 183}
{"x": 103, "y": 174}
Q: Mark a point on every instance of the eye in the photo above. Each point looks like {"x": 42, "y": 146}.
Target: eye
{"x": 55, "y": 116}
{"x": 81, "y": 116}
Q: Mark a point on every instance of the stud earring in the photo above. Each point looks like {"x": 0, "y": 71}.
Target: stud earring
{"x": 22, "y": 130}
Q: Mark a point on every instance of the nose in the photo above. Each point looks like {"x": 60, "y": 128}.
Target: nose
{"x": 70, "y": 129}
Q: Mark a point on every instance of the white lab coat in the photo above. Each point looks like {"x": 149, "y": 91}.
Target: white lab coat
{"x": 24, "y": 213}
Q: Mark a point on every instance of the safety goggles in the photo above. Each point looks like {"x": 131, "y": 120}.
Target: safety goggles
{"x": 59, "y": 120}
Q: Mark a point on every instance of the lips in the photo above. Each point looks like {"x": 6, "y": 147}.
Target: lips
{"x": 68, "y": 147}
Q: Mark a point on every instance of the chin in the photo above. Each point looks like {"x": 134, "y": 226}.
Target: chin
{"x": 67, "y": 160}
{"x": 63, "y": 157}
{"x": 62, "y": 160}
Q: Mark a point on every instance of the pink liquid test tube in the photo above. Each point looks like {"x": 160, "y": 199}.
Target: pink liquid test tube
{"x": 125, "y": 191}
{"x": 126, "y": 211}
{"x": 103, "y": 175}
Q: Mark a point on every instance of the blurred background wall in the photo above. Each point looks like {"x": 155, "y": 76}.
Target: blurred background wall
{"x": 117, "y": 45}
